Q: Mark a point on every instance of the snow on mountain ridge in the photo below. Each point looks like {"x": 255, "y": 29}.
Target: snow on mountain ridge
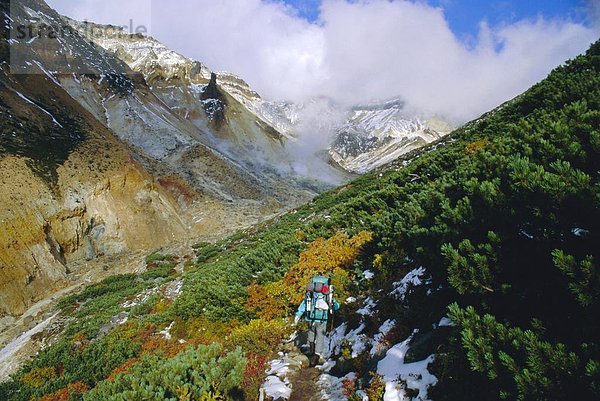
{"x": 370, "y": 135}
{"x": 156, "y": 61}
{"x": 378, "y": 133}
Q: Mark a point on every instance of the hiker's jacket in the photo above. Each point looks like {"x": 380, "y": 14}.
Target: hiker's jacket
{"x": 320, "y": 311}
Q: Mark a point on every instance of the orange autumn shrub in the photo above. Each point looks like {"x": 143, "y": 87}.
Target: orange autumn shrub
{"x": 474, "y": 147}
{"x": 159, "y": 344}
{"x": 268, "y": 301}
{"x": 122, "y": 369}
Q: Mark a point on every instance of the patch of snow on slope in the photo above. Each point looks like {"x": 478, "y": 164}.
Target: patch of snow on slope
{"x": 7, "y": 353}
{"x": 446, "y": 322}
{"x": 368, "y": 308}
{"x": 36, "y": 105}
{"x": 412, "y": 279}
{"x": 335, "y": 340}
{"x": 378, "y": 340}
{"x": 393, "y": 369}
{"x": 167, "y": 331}
{"x": 140, "y": 298}
{"x": 580, "y": 232}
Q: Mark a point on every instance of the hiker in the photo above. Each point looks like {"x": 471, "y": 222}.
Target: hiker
{"x": 317, "y": 308}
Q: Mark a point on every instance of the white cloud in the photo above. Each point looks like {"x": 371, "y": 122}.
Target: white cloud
{"x": 117, "y": 12}
{"x": 363, "y": 50}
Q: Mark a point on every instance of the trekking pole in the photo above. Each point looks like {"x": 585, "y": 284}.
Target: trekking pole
{"x": 332, "y": 315}
{"x": 330, "y": 333}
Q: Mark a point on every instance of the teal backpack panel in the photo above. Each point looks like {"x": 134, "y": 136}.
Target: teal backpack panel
{"x": 314, "y": 314}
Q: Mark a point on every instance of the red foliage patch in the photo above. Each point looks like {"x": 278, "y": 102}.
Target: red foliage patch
{"x": 65, "y": 394}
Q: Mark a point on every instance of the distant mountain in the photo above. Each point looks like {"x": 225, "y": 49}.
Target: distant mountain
{"x": 370, "y": 136}
{"x": 376, "y": 134}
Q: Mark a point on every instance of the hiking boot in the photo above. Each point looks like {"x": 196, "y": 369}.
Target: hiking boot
{"x": 314, "y": 360}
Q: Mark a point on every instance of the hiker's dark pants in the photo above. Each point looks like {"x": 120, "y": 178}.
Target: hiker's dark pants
{"x": 316, "y": 335}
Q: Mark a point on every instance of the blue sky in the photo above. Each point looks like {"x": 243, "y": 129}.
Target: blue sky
{"x": 464, "y": 16}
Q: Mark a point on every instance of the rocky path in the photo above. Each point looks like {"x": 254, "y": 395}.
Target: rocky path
{"x": 291, "y": 378}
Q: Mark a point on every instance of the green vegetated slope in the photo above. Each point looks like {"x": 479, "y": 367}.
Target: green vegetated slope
{"x": 505, "y": 218}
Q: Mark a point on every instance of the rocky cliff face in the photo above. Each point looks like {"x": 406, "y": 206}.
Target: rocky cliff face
{"x": 69, "y": 190}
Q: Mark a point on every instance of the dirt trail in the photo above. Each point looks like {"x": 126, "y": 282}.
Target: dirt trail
{"x": 304, "y": 385}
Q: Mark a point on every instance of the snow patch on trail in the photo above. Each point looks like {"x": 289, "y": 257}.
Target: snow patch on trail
{"x": 275, "y": 389}
{"x": 331, "y": 387}
{"x": 279, "y": 368}
{"x": 277, "y": 385}
{"x": 393, "y": 369}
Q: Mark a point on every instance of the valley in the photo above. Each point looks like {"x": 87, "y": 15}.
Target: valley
{"x": 159, "y": 222}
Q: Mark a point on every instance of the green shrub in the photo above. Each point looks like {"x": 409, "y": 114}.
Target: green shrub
{"x": 192, "y": 374}
{"x": 157, "y": 257}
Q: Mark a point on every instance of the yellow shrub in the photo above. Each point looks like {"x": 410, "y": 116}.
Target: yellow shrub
{"x": 268, "y": 301}
{"x": 162, "y": 305}
{"x": 300, "y": 235}
{"x": 331, "y": 257}
{"x": 260, "y": 336}
{"x": 201, "y": 330}
{"x": 36, "y": 378}
{"x": 475, "y": 147}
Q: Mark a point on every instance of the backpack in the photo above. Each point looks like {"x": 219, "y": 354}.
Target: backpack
{"x": 319, "y": 299}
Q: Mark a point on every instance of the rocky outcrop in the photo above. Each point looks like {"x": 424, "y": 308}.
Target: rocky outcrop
{"x": 213, "y": 101}
{"x": 43, "y": 234}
